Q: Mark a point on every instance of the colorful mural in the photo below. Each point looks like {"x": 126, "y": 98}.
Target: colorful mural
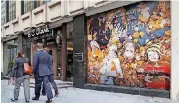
{"x": 130, "y": 46}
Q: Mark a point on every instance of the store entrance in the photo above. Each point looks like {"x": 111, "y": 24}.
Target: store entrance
{"x": 69, "y": 66}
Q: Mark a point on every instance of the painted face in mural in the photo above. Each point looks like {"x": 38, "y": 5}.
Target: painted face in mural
{"x": 129, "y": 52}
{"x": 153, "y": 56}
{"x": 110, "y": 26}
{"x": 153, "y": 53}
{"x": 112, "y": 51}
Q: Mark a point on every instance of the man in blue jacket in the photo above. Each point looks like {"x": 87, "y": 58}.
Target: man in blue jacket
{"x": 51, "y": 77}
{"x": 42, "y": 71}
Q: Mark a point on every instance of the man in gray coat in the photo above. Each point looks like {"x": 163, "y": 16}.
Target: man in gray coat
{"x": 42, "y": 71}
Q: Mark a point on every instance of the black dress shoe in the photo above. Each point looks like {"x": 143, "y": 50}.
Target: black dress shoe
{"x": 56, "y": 94}
{"x": 35, "y": 98}
{"x": 14, "y": 100}
{"x": 27, "y": 101}
{"x": 49, "y": 101}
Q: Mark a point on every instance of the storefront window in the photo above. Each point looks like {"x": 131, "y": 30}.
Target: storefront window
{"x": 9, "y": 54}
{"x": 12, "y": 54}
{"x": 11, "y": 50}
{"x": 26, "y": 47}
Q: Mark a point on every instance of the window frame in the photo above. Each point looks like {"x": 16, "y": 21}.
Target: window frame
{"x": 12, "y": 10}
{"x": 28, "y": 6}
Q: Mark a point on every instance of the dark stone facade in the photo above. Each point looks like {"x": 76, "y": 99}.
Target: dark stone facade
{"x": 79, "y": 38}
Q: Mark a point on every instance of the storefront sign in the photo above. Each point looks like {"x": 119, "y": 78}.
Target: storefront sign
{"x": 40, "y": 33}
{"x": 78, "y": 56}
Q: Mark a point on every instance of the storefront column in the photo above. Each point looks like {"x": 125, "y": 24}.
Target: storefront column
{"x": 19, "y": 42}
{"x": 79, "y": 35}
{"x": 31, "y": 52}
{"x": 5, "y": 58}
{"x": 64, "y": 51}
{"x": 174, "y": 94}
{"x": 2, "y": 48}
{"x": 58, "y": 31}
{"x": 58, "y": 63}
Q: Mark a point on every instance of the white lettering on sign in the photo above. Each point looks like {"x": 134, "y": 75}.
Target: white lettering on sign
{"x": 29, "y": 35}
{"x": 38, "y": 31}
{"x": 46, "y": 30}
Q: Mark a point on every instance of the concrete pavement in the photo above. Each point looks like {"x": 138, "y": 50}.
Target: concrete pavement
{"x": 74, "y": 95}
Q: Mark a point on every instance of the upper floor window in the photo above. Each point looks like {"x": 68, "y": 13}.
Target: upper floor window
{"x": 3, "y": 13}
{"x": 12, "y": 10}
{"x": 28, "y": 6}
{"x": 41, "y": 2}
{"x": 46, "y": 1}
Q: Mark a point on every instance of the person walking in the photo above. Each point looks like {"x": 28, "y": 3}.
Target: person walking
{"x": 21, "y": 77}
{"x": 51, "y": 77}
{"x": 42, "y": 71}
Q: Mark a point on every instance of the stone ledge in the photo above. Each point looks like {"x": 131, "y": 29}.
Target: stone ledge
{"x": 129, "y": 90}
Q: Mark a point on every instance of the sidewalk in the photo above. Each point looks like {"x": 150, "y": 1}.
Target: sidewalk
{"x": 74, "y": 95}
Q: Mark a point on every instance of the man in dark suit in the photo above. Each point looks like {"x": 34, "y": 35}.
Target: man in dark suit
{"x": 51, "y": 77}
{"x": 42, "y": 71}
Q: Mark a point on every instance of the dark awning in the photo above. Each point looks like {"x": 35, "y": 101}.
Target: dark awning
{"x": 60, "y": 22}
{"x": 4, "y": 39}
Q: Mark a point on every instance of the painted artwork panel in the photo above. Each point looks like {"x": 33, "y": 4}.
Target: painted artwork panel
{"x": 131, "y": 46}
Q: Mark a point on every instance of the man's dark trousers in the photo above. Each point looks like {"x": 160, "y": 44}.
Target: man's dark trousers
{"x": 54, "y": 85}
{"x": 43, "y": 89}
{"x": 38, "y": 84}
{"x": 51, "y": 78}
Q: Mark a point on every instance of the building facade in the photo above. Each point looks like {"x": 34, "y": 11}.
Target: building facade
{"x": 120, "y": 46}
